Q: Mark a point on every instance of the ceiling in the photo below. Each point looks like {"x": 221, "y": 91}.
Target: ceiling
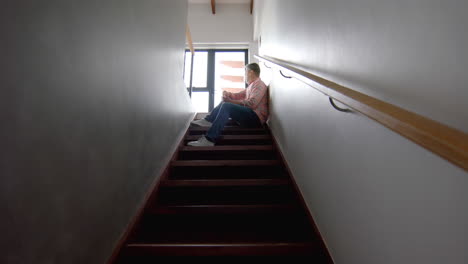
{"x": 214, "y": 2}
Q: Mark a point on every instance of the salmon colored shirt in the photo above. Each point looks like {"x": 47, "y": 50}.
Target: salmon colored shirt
{"x": 255, "y": 97}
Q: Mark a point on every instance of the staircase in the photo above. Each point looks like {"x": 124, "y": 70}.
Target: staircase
{"x": 234, "y": 199}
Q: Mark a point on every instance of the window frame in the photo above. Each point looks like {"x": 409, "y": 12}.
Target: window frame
{"x": 210, "y": 78}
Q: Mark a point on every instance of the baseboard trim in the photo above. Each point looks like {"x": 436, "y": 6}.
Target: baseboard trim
{"x": 150, "y": 195}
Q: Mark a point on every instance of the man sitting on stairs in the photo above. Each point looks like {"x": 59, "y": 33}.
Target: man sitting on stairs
{"x": 249, "y": 108}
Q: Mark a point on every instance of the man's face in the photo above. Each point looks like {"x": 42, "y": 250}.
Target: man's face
{"x": 248, "y": 76}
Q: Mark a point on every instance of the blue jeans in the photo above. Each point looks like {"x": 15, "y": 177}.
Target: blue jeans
{"x": 245, "y": 116}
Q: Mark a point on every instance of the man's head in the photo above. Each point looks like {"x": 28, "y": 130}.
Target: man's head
{"x": 252, "y": 72}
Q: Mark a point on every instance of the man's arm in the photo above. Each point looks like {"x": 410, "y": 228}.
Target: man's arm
{"x": 238, "y": 102}
{"x": 235, "y": 96}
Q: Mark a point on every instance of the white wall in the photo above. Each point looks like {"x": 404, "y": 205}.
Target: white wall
{"x": 232, "y": 24}
{"x": 230, "y": 27}
{"x": 411, "y": 53}
{"x": 376, "y": 196}
{"x": 92, "y": 104}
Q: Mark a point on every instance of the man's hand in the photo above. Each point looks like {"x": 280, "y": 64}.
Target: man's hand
{"x": 227, "y": 99}
{"x": 225, "y": 96}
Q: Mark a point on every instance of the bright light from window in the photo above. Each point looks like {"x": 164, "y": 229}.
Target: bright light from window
{"x": 200, "y": 68}
{"x": 229, "y": 72}
{"x": 200, "y": 101}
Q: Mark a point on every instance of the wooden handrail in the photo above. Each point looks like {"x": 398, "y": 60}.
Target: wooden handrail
{"x": 213, "y": 7}
{"x": 189, "y": 38}
{"x": 192, "y": 51}
{"x": 445, "y": 141}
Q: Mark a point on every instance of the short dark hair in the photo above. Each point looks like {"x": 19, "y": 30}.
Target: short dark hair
{"x": 254, "y": 67}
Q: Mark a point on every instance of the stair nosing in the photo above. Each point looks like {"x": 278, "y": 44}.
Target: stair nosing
{"x": 225, "y": 182}
{"x": 232, "y": 137}
{"x": 249, "y": 244}
{"x": 223, "y": 163}
{"x": 228, "y": 148}
{"x": 229, "y": 128}
{"x": 225, "y": 208}
{"x": 224, "y": 249}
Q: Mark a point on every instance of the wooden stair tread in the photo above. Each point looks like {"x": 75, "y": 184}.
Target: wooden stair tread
{"x": 236, "y": 139}
{"x": 230, "y": 131}
{"x": 232, "y": 128}
{"x": 224, "y": 182}
{"x": 234, "y": 163}
{"x": 232, "y": 137}
{"x": 228, "y": 152}
{"x": 264, "y": 170}
{"x": 259, "y": 244}
{"x": 232, "y": 199}
{"x": 222, "y": 249}
{"x": 216, "y": 227}
{"x": 198, "y": 128}
{"x": 229, "y": 148}
{"x": 195, "y": 128}
{"x": 223, "y": 208}
{"x": 275, "y": 194}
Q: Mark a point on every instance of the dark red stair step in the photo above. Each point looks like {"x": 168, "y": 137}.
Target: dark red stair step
{"x": 193, "y": 195}
{"x": 224, "y": 182}
{"x": 227, "y": 148}
{"x": 224, "y": 228}
{"x": 236, "y": 139}
{"x": 233, "y": 152}
{"x": 225, "y": 209}
{"x": 227, "y": 249}
{"x": 224, "y": 163}
{"x": 230, "y": 131}
{"x": 255, "y": 171}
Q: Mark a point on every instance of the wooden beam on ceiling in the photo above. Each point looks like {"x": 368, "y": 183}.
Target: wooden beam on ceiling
{"x": 251, "y": 6}
{"x": 213, "y": 6}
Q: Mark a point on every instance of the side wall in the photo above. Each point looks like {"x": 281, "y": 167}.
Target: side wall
{"x": 92, "y": 104}
{"x": 376, "y": 196}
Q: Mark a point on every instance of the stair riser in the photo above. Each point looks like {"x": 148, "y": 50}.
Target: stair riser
{"x": 224, "y": 228}
{"x": 225, "y": 209}
{"x": 134, "y": 254}
{"x": 225, "y": 183}
{"x": 226, "y": 142}
{"x": 252, "y": 172}
{"x": 226, "y": 195}
{"x": 229, "y": 132}
{"x": 232, "y": 199}
{"x": 227, "y": 155}
{"x": 229, "y": 124}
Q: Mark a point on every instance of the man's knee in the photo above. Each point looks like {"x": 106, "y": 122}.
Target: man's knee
{"x": 219, "y": 105}
{"x": 223, "y": 106}
{"x": 228, "y": 105}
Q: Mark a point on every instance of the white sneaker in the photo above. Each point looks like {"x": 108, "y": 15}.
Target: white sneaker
{"x": 201, "y": 142}
{"x": 201, "y": 122}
